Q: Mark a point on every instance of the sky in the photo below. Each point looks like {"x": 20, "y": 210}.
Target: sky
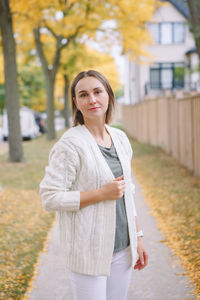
{"x": 115, "y": 50}
{"x": 116, "y": 54}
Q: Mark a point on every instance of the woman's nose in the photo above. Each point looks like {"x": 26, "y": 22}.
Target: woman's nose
{"x": 92, "y": 98}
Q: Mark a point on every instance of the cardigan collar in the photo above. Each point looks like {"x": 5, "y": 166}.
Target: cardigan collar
{"x": 90, "y": 138}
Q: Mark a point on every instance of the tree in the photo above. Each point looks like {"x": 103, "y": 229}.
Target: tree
{"x": 2, "y": 83}
{"x": 194, "y": 8}
{"x": 32, "y": 86}
{"x": 75, "y": 20}
{"x": 2, "y": 97}
{"x": 57, "y": 24}
{"x": 11, "y": 86}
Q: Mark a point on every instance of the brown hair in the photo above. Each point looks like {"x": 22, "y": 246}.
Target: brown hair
{"x": 77, "y": 115}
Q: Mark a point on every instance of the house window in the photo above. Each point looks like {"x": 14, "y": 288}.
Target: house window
{"x": 155, "y": 32}
{"x": 168, "y": 33}
{"x": 179, "y": 33}
{"x": 155, "y": 76}
{"x": 167, "y": 76}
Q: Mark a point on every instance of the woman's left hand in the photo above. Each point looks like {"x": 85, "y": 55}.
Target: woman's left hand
{"x": 143, "y": 256}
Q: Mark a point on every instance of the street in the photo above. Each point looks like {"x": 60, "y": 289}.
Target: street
{"x": 59, "y": 125}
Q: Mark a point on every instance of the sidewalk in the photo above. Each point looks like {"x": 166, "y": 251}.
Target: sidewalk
{"x": 162, "y": 279}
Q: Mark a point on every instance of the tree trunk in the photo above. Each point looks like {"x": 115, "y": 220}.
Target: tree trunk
{"x": 11, "y": 87}
{"x": 194, "y": 8}
{"x": 50, "y": 77}
{"x": 50, "y": 85}
{"x": 67, "y": 110}
{"x": 50, "y": 73}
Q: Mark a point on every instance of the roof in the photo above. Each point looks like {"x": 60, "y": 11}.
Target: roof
{"x": 181, "y": 6}
{"x": 190, "y": 51}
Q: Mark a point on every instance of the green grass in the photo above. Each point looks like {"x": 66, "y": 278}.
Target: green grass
{"x": 24, "y": 224}
{"x": 26, "y": 175}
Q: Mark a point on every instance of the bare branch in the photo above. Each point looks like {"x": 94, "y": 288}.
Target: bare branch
{"x": 51, "y": 31}
{"x": 36, "y": 33}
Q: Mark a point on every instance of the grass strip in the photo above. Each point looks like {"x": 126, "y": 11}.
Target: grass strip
{"x": 24, "y": 225}
{"x": 173, "y": 194}
{"x": 27, "y": 175}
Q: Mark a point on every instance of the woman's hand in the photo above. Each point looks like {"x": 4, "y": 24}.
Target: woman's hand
{"x": 113, "y": 190}
{"x": 143, "y": 256}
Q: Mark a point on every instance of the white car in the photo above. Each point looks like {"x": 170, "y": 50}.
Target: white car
{"x": 29, "y": 128}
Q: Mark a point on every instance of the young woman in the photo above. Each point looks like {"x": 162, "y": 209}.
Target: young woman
{"x": 88, "y": 183}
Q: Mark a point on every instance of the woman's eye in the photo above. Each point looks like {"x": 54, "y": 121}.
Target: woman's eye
{"x": 97, "y": 92}
{"x": 83, "y": 95}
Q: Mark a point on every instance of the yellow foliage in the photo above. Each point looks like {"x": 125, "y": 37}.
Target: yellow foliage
{"x": 24, "y": 227}
{"x": 87, "y": 58}
{"x": 1, "y": 69}
{"x": 130, "y": 17}
{"x": 39, "y": 104}
{"x": 74, "y": 20}
{"x": 77, "y": 58}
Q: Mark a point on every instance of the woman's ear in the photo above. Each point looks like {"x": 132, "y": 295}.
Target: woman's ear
{"x": 74, "y": 100}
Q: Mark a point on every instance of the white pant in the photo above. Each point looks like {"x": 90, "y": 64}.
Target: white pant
{"x": 113, "y": 287}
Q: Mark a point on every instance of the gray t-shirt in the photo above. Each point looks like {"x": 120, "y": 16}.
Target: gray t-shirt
{"x": 122, "y": 240}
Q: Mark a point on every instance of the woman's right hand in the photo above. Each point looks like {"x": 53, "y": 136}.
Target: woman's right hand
{"x": 113, "y": 190}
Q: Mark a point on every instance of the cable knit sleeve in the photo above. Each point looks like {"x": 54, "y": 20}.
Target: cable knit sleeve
{"x": 55, "y": 188}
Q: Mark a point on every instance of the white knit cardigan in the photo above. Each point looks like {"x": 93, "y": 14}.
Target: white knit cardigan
{"x": 87, "y": 234}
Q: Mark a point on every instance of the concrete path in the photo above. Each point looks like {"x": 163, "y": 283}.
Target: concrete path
{"x": 162, "y": 279}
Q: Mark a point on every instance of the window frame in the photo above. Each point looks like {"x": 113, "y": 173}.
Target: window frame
{"x": 172, "y": 33}
{"x": 161, "y": 66}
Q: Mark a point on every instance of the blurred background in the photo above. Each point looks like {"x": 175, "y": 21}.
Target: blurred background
{"x": 149, "y": 50}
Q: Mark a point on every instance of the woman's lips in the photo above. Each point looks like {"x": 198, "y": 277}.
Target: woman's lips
{"x": 93, "y": 108}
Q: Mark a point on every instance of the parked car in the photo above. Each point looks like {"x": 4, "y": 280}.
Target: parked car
{"x": 40, "y": 122}
{"x": 29, "y": 127}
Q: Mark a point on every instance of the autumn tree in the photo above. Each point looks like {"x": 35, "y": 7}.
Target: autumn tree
{"x": 11, "y": 85}
{"x": 194, "y": 8}
{"x": 32, "y": 86}
{"x": 76, "y": 20}
{"x": 57, "y": 24}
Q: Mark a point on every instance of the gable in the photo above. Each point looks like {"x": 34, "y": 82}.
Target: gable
{"x": 167, "y": 12}
{"x": 181, "y": 6}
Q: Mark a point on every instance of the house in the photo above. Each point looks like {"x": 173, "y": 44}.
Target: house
{"x": 174, "y": 56}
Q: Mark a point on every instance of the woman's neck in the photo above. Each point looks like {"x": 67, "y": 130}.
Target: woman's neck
{"x": 97, "y": 129}
{"x": 100, "y": 134}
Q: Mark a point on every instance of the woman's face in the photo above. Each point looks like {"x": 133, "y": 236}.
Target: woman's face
{"x": 92, "y": 98}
